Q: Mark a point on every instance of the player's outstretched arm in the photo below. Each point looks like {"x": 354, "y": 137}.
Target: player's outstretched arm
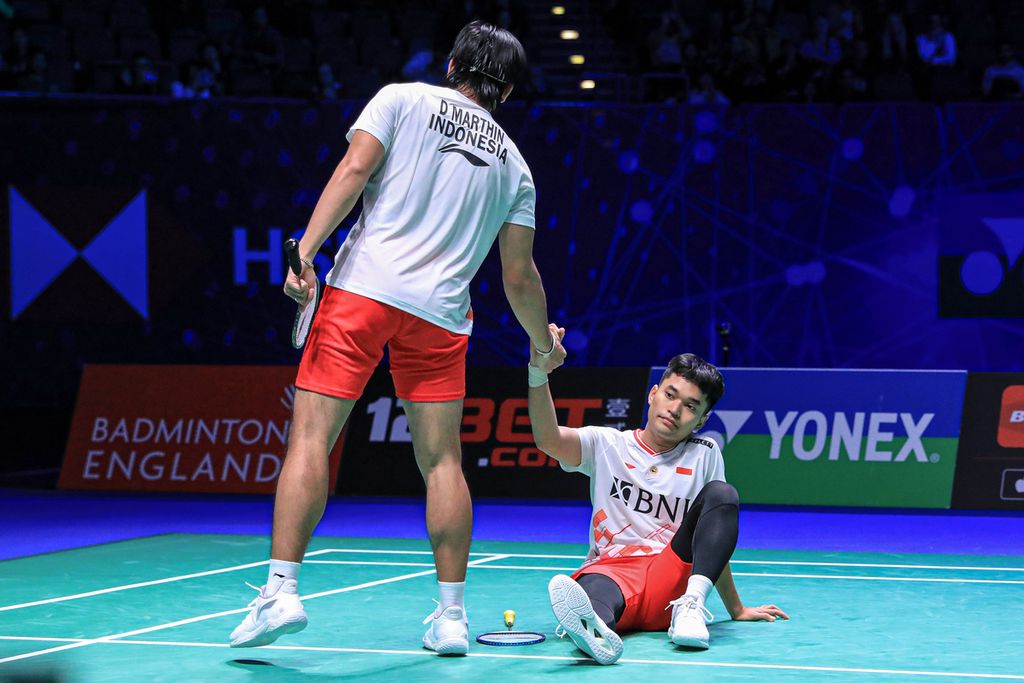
{"x": 726, "y": 587}
{"x": 561, "y": 443}
{"x": 343, "y": 189}
{"x": 525, "y": 293}
{"x": 339, "y": 196}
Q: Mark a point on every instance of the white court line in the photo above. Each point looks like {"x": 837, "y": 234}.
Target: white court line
{"x": 879, "y": 566}
{"x": 757, "y": 562}
{"x": 834, "y": 577}
{"x": 143, "y": 584}
{"x": 839, "y": 577}
{"x": 521, "y": 555}
{"x": 362, "y": 563}
{"x": 204, "y": 617}
{"x": 557, "y": 658}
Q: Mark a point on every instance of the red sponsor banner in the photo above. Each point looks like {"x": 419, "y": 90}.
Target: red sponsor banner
{"x": 181, "y": 428}
{"x": 499, "y": 456}
{"x": 1011, "y": 418}
{"x": 990, "y": 460}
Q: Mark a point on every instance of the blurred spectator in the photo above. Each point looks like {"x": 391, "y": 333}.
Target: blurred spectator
{"x": 810, "y": 92}
{"x": 1004, "y": 79}
{"x": 420, "y": 66}
{"x": 37, "y": 78}
{"x": 894, "y": 43}
{"x": 716, "y": 47}
{"x": 201, "y": 78}
{"x": 513, "y": 15}
{"x": 141, "y": 77}
{"x": 666, "y": 41}
{"x": 258, "y": 43}
{"x": 846, "y": 21}
{"x": 181, "y": 87}
{"x": 856, "y": 71}
{"x": 706, "y": 93}
{"x": 850, "y": 86}
{"x": 693, "y": 64}
{"x": 763, "y": 37}
{"x": 821, "y": 48}
{"x": 536, "y": 85}
{"x": 820, "y": 54}
{"x": 741, "y": 16}
{"x": 786, "y": 73}
{"x": 18, "y": 57}
{"x": 209, "y": 76}
{"x": 327, "y": 86}
{"x": 740, "y": 45}
{"x": 745, "y": 75}
{"x": 936, "y": 47}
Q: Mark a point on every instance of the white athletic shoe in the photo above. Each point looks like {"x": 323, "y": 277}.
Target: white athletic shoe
{"x": 449, "y": 631}
{"x": 577, "y": 619}
{"x": 689, "y": 622}
{"x": 271, "y": 616}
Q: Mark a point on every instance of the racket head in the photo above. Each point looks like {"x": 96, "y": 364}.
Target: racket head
{"x": 304, "y": 317}
{"x": 510, "y": 638}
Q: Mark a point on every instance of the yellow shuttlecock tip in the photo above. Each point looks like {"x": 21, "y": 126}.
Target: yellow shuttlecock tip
{"x": 510, "y": 617}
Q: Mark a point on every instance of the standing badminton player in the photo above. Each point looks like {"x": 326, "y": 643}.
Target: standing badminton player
{"x": 664, "y": 521}
{"x": 441, "y": 181}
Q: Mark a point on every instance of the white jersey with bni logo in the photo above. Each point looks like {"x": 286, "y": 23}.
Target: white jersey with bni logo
{"x": 639, "y": 496}
{"x": 449, "y": 179}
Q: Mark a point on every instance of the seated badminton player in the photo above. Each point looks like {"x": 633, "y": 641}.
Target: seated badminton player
{"x": 664, "y": 520}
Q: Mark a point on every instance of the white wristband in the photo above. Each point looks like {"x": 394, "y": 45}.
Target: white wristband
{"x": 545, "y": 354}
{"x": 536, "y": 377}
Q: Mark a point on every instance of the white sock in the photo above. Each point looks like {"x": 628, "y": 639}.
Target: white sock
{"x": 699, "y": 587}
{"x": 452, "y": 593}
{"x": 279, "y": 571}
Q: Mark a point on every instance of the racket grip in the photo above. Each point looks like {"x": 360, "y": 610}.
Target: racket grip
{"x": 291, "y": 249}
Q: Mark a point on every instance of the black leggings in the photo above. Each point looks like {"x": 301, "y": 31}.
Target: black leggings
{"x": 706, "y": 539}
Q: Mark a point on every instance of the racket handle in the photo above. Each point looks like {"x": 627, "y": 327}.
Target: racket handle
{"x": 291, "y": 249}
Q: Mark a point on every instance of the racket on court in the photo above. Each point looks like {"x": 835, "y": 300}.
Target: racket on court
{"x": 304, "y": 316}
{"x": 507, "y": 638}
{"x": 510, "y": 637}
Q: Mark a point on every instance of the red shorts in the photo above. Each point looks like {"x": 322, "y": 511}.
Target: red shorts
{"x": 346, "y": 343}
{"x": 648, "y": 583}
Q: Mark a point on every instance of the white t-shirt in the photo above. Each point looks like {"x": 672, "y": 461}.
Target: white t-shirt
{"x": 639, "y": 496}
{"x": 449, "y": 179}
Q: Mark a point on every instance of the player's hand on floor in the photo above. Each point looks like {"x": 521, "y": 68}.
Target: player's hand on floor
{"x": 299, "y": 289}
{"x": 762, "y": 613}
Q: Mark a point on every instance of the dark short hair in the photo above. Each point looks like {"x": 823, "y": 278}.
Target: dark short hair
{"x": 487, "y": 58}
{"x": 702, "y": 373}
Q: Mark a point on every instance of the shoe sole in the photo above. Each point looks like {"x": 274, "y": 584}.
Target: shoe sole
{"x": 448, "y": 646}
{"x": 685, "y": 641}
{"x": 272, "y": 632}
{"x": 572, "y": 609}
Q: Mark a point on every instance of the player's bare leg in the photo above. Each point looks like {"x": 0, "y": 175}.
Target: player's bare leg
{"x": 435, "y": 431}
{"x": 301, "y": 497}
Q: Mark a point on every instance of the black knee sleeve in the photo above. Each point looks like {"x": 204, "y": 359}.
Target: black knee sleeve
{"x": 707, "y": 536}
{"x": 606, "y": 597}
